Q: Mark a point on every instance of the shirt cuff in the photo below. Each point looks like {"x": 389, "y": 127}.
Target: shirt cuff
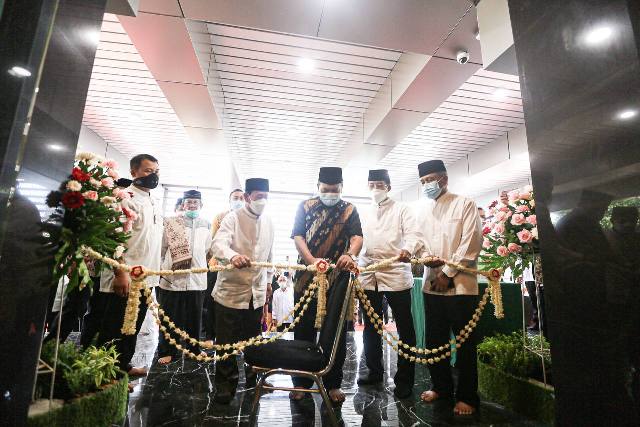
{"x": 449, "y": 271}
{"x": 229, "y": 253}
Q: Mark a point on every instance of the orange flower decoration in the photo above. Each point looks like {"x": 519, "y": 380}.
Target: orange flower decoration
{"x": 322, "y": 266}
{"x": 213, "y": 262}
{"x": 137, "y": 272}
{"x": 495, "y": 274}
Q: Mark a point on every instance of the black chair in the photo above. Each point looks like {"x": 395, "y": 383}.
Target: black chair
{"x": 304, "y": 358}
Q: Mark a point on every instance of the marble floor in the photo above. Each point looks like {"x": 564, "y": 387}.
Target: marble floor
{"x": 181, "y": 394}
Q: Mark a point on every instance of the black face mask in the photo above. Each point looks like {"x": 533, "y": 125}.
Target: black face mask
{"x": 150, "y": 181}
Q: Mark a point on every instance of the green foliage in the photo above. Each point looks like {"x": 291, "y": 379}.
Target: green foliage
{"x": 508, "y": 354}
{"x": 605, "y": 222}
{"x": 94, "y": 368}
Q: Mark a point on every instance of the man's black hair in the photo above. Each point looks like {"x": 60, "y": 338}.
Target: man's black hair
{"x": 235, "y": 191}
{"x": 136, "y": 161}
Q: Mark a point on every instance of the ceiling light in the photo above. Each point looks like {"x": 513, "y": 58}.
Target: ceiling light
{"x": 18, "y": 71}
{"x": 477, "y": 35}
{"x": 55, "y": 147}
{"x": 306, "y": 65}
{"x": 92, "y": 36}
{"x": 499, "y": 93}
{"x": 598, "y": 35}
{"x": 627, "y": 114}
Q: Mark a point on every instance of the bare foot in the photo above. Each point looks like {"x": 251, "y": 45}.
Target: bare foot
{"x": 337, "y": 396}
{"x": 137, "y": 372}
{"x": 429, "y": 396}
{"x": 164, "y": 360}
{"x": 297, "y": 395}
{"x": 462, "y": 408}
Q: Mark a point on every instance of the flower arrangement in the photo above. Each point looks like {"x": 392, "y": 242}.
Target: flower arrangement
{"x": 89, "y": 207}
{"x": 511, "y": 238}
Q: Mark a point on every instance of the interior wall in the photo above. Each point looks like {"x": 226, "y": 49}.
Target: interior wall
{"x": 92, "y": 142}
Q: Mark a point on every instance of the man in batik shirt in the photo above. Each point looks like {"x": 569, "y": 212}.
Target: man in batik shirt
{"x": 326, "y": 227}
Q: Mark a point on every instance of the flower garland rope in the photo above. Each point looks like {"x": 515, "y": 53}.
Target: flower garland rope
{"x": 321, "y": 281}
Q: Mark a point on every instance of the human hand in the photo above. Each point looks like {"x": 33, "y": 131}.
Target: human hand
{"x": 240, "y": 261}
{"x": 441, "y": 284}
{"x": 404, "y": 256}
{"x": 434, "y": 263}
{"x": 121, "y": 283}
{"x": 345, "y": 263}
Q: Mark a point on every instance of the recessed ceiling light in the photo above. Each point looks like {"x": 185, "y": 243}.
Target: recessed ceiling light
{"x": 499, "y": 93}
{"x": 598, "y": 35}
{"x": 18, "y": 71}
{"x": 55, "y": 147}
{"x": 306, "y": 65}
{"x": 627, "y": 114}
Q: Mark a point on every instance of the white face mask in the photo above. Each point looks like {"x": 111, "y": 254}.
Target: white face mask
{"x": 257, "y": 206}
{"x": 236, "y": 204}
{"x": 329, "y": 199}
{"x": 378, "y": 195}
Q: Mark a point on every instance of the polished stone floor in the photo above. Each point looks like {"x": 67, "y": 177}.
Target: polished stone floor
{"x": 181, "y": 394}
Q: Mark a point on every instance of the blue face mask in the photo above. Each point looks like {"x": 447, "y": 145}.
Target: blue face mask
{"x": 192, "y": 214}
{"x": 236, "y": 204}
{"x": 431, "y": 189}
{"x": 329, "y": 199}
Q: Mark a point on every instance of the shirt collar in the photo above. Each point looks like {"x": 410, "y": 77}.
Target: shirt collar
{"x": 386, "y": 202}
{"x": 250, "y": 214}
{"x": 135, "y": 190}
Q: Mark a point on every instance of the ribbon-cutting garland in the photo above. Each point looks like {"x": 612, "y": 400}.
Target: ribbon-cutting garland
{"x": 319, "y": 285}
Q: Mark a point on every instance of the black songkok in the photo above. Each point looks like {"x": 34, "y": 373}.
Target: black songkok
{"x": 192, "y": 194}
{"x": 330, "y": 175}
{"x": 256, "y": 184}
{"x": 431, "y": 166}
{"x": 380, "y": 175}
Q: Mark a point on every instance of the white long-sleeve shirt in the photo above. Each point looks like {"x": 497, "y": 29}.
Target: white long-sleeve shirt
{"x": 283, "y": 304}
{"x": 452, "y": 230}
{"x": 199, "y": 236}
{"x": 145, "y": 243}
{"x": 243, "y": 233}
{"x": 388, "y": 228}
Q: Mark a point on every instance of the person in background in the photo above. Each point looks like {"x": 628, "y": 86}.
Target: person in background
{"x": 325, "y": 227}
{"x": 186, "y": 243}
{"x": 266, "y": 309}
{"x": 482, "y": 214}
{"x": 236, "y": 201}
{"x": 143, "y": 248}
{"x": 451, "y": 228}
{"x": 389, "y": 230}
{"x": 245, "y": 234}
{"x": 178, "y": 209}
{"x": 283, "y": 303}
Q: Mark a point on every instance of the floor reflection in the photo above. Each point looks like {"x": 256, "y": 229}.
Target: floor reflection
{"x": 181, "y": 394}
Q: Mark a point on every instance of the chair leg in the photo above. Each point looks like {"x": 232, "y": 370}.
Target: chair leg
{"x": 256, "y": 400}
{"x": 327, "y": 401}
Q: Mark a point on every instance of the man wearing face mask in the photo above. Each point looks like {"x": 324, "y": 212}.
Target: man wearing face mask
{"x": 452, "y": 230}
{"x": 236, "y": 201}
{"x": 325, "y": 227}
{"x": 186, "y": 243}
{"x": 390, "y": 230}
{"x": 283, "y": 302}
{"x": 142, "y": 248}
{"x": 244, "y": 235}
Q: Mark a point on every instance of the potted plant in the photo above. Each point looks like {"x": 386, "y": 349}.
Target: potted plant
{"x": 511, "y": 375}
{"x": 94, "y": 391}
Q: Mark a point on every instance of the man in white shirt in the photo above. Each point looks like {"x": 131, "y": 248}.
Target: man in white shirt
{"x": 389, "y": 230}
{"x": 143, "y": 248}
{"x": 186, "y": 242}
{"x": 245, "y": 235}
{"x": 452, "y": 230}
{"x": 283, "y": 302}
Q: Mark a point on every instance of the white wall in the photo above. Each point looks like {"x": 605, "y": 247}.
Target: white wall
{"x": 92, "y": 142}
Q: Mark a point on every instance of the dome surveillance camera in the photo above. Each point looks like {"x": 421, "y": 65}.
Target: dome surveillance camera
{"x": 462, "y": 57}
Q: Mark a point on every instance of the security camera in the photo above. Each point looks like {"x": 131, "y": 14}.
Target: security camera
{"x": 462, "y": 57}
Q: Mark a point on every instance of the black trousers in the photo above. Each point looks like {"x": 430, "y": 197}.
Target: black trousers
{"x": 185, "y": 310}
{"x": 283, "y": 326}
{"x": 400, "y": 303}
{"x": 208, "y": 308}
{"x": 444, "y": 314}
{"x": 73, "y": 311}
{"x": 234, "y": 325}
{"x": 305, "y": 331}
{"x": 106, "y": 314}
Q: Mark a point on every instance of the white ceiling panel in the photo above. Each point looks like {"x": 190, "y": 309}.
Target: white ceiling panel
{"x": 484, "y": 108}
{"x": 283, "y": 121}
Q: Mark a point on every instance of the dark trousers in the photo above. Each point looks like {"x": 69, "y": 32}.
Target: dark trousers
{"x": 305, "y": 331}
{"x": 443, "y": 315}
{"x": 185, "y": 310}
{"x": 73, "y": 311}
{"x": 106, "y": 314}
{"x": 233, "y": 325}
{"x": 208, "y": 308}
{"x": 283, "y": 326}
{"x": 400, "y": 303}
